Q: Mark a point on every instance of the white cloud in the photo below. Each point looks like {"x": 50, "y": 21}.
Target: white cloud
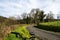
{"x": 17, "y": 7}
{"x": 10, "y": 8}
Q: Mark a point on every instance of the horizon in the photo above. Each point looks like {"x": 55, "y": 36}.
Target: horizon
{"x": 17, "y": 7}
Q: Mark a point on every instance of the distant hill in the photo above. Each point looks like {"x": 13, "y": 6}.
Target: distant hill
{"x": 2, "y": 19}
{"x": 7, "y": 21}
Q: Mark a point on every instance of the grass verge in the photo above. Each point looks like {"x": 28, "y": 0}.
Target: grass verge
{"x": 50, "y": 26}
{"x": 22, "y": 30}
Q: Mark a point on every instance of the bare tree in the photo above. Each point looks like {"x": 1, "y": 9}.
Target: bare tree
{"x": 12, "y": 18}
{"x": 24, "y": 15}
{"x": 58, "y": 16}
{"x": 37, "y": 15}
{"x": 49, "y": 16}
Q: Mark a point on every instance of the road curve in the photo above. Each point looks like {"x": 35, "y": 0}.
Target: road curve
{"x": 44, "y": 35}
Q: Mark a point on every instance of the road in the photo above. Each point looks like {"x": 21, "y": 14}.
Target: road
{"x": 44, "y": 35}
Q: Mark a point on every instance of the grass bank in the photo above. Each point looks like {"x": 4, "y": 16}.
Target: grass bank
{"x": 50, "y": 26}
{"x": 21, "y": 30}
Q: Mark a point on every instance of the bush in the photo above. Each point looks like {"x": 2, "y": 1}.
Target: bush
{"x": 49, "y": 28}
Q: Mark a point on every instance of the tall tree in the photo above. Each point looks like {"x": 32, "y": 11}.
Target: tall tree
{"x": 37, "y": 15}
{"x": 24, "y": 15}
{"x": 58, "y": 16}
{"x": 41, "y": 15}
{"x": 49, "y": 16}
{"x": 33, "y": 15}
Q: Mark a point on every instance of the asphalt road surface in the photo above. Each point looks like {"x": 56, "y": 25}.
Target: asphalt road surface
{"x": 44, "y": 35}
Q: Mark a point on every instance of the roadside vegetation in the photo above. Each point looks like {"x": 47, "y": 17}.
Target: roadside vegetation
{"x": 54, "y": 23}
{"x": 22, "y": 31}
{"x": 50, "y": 26}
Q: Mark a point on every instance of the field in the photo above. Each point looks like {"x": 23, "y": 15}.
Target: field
{"x": 55, "y": 23}
{"x": 21, "y": 30}
{"x": 50, "y": 26}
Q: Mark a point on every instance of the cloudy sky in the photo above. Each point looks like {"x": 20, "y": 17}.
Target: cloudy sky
{"x": 17, "y": 7}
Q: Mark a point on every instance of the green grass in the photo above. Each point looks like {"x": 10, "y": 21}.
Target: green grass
{"x": 22, "y": 30}
{"x": 55, "y": 23}
{"x": 50, "y": 26}
{"x": 12, "y": 37}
